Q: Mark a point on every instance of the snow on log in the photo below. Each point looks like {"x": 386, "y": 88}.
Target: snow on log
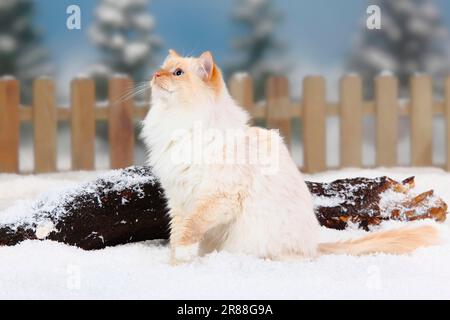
{"x": 366, "y": 202}
{"x": 128, "y": 205}
{"x": 122, "y": 206}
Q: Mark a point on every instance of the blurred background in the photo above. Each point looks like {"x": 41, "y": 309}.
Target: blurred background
{"x": 262, "y": 37}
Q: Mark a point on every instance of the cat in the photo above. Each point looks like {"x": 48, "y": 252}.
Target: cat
{"x": 261, "y": 207}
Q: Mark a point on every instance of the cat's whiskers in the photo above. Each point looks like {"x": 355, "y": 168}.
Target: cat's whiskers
{"x": 133, "y": 92}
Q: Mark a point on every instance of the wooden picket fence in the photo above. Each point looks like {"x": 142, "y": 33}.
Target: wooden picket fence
{"x": 277, "y": 110}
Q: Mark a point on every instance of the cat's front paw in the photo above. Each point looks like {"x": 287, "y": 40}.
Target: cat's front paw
{"x": 188, "y": 239}
{"x": 190, "y": 235}
{"x": 175, "y": 262}
{"x": 183, "y": 254}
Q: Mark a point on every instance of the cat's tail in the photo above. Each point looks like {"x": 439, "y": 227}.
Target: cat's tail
{"x": 397, "y": 241}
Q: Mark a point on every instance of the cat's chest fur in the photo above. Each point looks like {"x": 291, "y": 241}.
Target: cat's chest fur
{"x": 182, "y": 139}
{"x": 173, "y": 170}
{"x": 174, "y": 157}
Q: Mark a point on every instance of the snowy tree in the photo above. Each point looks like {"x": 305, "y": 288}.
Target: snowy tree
{"x": 257, "y": 42}
{"x": 21, "y": 53}
{"x": 123, "y": 31}
{"x": 412, "y": 39}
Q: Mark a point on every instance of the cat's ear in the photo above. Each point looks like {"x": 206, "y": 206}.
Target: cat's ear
{"x": 173, "y": 53}
{"x": 206, "y": 65}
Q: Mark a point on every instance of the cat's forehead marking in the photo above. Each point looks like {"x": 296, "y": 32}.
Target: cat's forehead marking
{"x": 172, "y": 63}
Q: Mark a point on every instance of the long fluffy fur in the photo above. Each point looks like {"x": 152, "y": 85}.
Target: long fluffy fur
{"x": 237, "y": 207}
{"x": 397, "y": 241}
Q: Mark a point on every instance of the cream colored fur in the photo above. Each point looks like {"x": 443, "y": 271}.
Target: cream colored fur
{"x": 397, "y": 241}
{"x": 261, "y": 209}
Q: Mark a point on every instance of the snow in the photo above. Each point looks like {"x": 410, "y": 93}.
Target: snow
{"x": 257, "y": 21}
{"x": 36, "y": 269}
{"x": 327, "y": 201}
{"x": 20, "y": 44}
{"x": 124, "y": 31}
{"x": 385, "y": 73}
{"x": 7, "y": 44}
{"x": 416, "y": 28}
{"x": 82, "y": 76}
{"x": 144, "y": 22}
{"x": 7, "y": 4}
{"x": 118, "y": 75}
{"x": 110, "y": 15}
{"x": 240, "y": 76}
{"x": 376, "y": 57}
{"x": 7, "y": 77}
{"x": 133, "y": 52}
{"x": 44, "y": 229}
{"x": 49, "y": 207}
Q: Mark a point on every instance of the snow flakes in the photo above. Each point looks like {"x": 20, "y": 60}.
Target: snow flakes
{"x": 53, "y": 205}
{"x": 323, "y": 201}
{"x": 124, "y": 31}
{"x": 44, "y": 229}
{"x": 134, "y": 52}
{"x": 7, "y": 43}
{"x": 392, "y": 201}
{"x": 412, "y": 38}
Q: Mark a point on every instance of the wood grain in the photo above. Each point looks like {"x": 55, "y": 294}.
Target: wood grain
{"x": 45, "y": 125}
{"x": 314, "y": 122}
{"x": 351, "y": 121}
{"x": 121, "y": 123}
{"x": 9, "y": 125}
{"x": 82, "y": 120}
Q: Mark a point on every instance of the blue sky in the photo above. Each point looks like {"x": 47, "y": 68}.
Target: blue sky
{"x": 322, "y": 28}
{"x": 318, "y": 32}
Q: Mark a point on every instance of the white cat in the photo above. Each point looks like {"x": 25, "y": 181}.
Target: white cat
{"x": 254, "y": 202}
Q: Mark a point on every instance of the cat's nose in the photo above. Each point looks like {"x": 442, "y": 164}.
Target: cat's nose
{"x": 157, "y": 75}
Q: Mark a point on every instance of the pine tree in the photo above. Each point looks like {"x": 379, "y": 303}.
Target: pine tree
{"x": 411, "y": 40}
{"x": 257, "y": 43}
{"x": 123, "y": 31}
{"x": 21, "y": 53}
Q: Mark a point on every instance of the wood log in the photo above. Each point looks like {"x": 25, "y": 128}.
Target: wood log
{"x": 365, "y": 202}
{"x": 124, "y": 206}
{"x": 128, "y": 205}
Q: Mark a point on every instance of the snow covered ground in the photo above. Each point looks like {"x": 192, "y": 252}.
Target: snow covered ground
{"x": 36, "y": 269}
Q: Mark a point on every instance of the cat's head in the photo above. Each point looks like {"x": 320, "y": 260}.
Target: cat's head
{"x": 187, "y": 80}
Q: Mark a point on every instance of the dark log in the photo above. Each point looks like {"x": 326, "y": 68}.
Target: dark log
{"x": 121, "y": 207}
{"x": 128, "y": 205}
{"x": 367, "y": 202}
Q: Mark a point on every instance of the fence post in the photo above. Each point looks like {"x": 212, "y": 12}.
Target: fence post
{"x": 386, "y": 108}
{"x": 9, "y": 125}
{"x": 351, "y": 121}
{"x": 121, "y": 122}
{"x": 447, "y": 121}
{"x": 278, "y": 106}
{"x": 314, "y": 118}
{"x": 241, "y": 89}
{"x": 82, "y": 122}
{"x": 421, "y": 120}
{"x": 45, "y": 124}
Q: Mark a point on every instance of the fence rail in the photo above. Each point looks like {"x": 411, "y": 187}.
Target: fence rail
{"x": 277, "y": 110}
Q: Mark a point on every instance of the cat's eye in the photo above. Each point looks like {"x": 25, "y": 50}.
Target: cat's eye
{"x": 178, "y": 72}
